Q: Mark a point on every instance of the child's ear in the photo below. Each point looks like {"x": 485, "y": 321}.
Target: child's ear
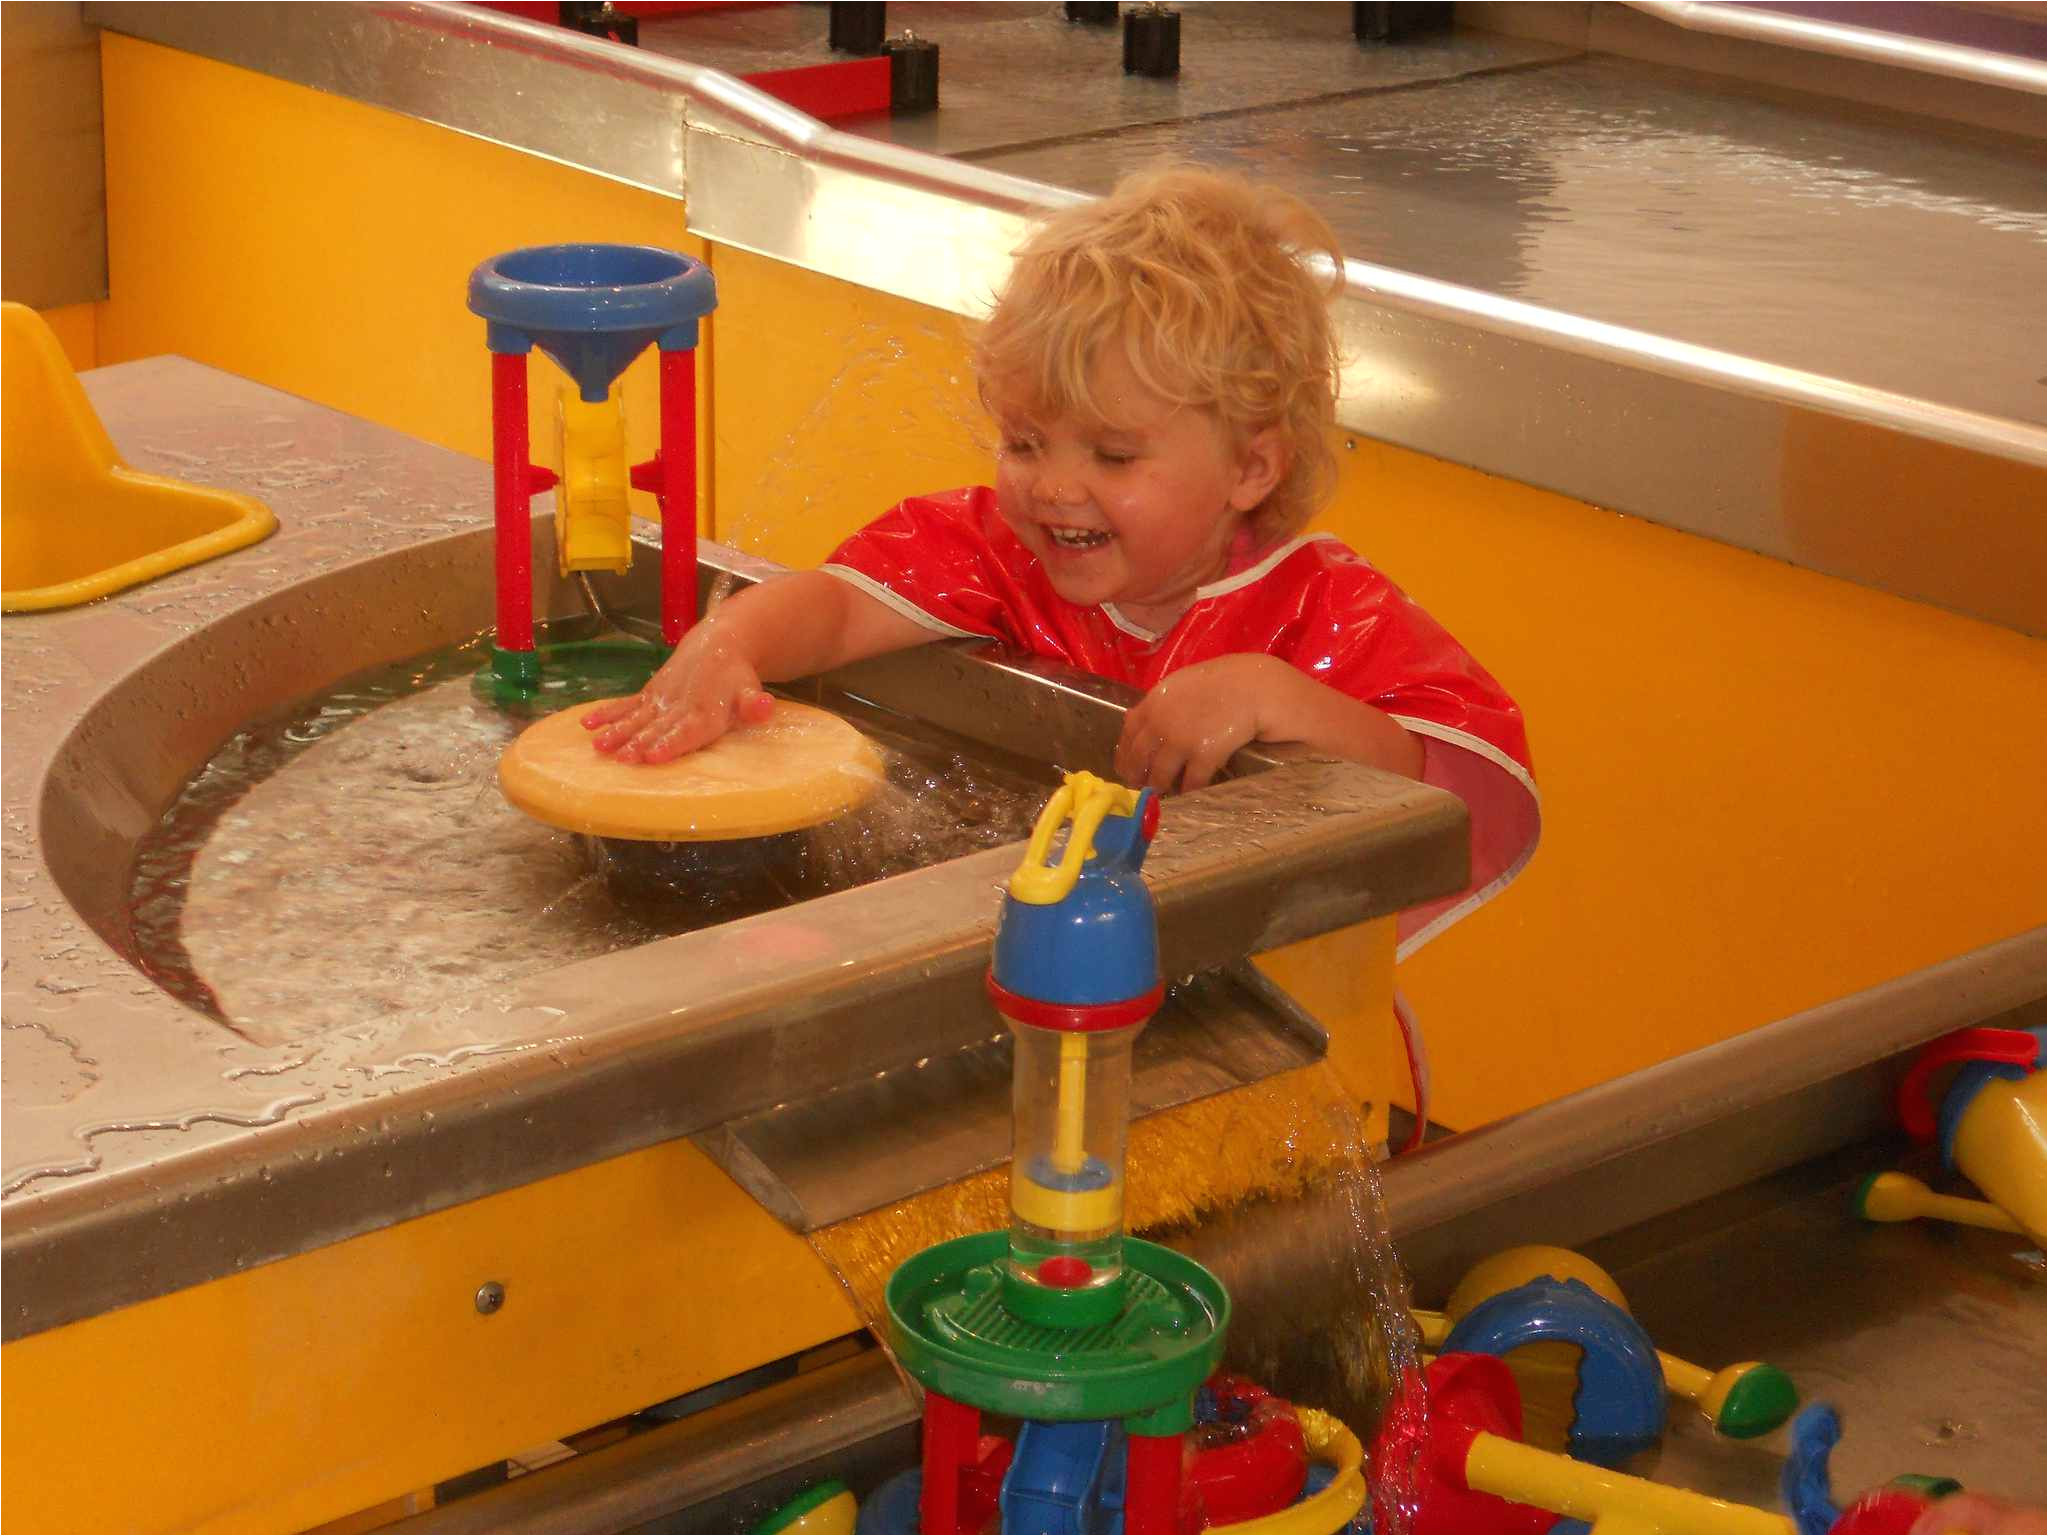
{"x": 1261, "y": 466}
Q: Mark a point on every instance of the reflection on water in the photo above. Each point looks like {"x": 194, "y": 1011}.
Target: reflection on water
{"x": 354, "y": 859}
{"x": 1887, "y": 250}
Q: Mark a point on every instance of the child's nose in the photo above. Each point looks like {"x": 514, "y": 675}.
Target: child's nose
{"x": 1058, "y": 486}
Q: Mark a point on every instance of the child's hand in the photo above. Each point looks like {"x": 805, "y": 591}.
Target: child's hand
{"x": 1184, "y": 730}
{"x": 700, "y": 693}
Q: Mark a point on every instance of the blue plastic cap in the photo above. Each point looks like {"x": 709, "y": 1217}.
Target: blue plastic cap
{"x": 1962, "y": 1092}
{"x": 592, "y": 308}
{"x": 1098, "y": 944}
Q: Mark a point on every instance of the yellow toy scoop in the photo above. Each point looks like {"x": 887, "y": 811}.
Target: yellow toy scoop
{"x": 799, "y": 767}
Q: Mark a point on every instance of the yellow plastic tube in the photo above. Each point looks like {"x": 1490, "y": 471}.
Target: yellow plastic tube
{"x": 2000, "y": 1147}
{"x": 1069, "y": 1147}
{"x": 1607, "y": 1501}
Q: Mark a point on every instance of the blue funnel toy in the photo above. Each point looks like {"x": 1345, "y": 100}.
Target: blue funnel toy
{"x": 592, "y": 308}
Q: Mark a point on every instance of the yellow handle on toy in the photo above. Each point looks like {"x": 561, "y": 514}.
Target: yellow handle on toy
{"x": 1086, "y": 800}
{"x": 1901, "y": 1197}
{"x": 1607, "y": 1501}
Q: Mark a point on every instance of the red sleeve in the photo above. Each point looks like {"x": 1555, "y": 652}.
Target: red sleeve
{"x": 1364, "y": 637}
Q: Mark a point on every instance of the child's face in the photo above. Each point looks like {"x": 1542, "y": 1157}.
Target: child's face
{"x": 1139, "y": 514}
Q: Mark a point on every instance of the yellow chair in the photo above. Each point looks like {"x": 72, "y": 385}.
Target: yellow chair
{"x": 75, "y": 522}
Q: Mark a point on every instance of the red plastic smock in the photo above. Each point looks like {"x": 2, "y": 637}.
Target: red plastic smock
{"x": 950, "y": 563}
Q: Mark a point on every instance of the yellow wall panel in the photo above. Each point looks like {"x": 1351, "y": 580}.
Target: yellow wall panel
{"x": 299, "y": 1391}
{"x": 324, "y": 247}
{"x": 834, "y": 403}
{"x": 1762, "y": 788}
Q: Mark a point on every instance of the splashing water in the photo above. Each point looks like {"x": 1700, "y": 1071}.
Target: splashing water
{"x": 353, "y": 859}
{"x": 1274, "y": 1187}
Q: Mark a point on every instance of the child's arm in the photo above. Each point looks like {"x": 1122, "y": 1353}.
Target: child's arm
{"x": 789, "y": 627}
{"x": 1184, "y": 730}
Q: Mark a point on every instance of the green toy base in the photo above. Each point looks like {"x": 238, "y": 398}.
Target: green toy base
{"x": 552, "y": 677}
{"x": 950, "y": 1330}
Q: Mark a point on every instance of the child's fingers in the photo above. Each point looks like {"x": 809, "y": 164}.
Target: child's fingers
{"x": 684, "y": 732}
{"x": 1167, "y": 764}
{"x": 608, "y": 711}
{"x": 1204, "y": 763}
{"x": 623, "y": 729}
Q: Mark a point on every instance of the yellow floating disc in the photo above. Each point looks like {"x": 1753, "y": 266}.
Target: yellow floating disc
{"x": 797, "y": 768}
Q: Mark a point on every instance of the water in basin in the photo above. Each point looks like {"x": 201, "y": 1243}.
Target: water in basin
{"x": 353, "y": 858}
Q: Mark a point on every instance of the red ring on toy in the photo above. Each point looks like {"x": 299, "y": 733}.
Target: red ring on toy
{"x": 2014, "y": 1047}
{"x": 1260, "y": 1473}
{"x": 1080, "y": 1018}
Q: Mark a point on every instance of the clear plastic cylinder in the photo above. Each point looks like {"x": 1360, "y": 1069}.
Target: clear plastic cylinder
{"x": 1071, "y": 1109}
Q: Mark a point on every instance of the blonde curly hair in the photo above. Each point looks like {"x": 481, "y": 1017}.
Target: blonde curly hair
{"x": 1197, "y": 277}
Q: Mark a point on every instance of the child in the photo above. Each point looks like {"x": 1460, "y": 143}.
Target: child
{"x": 1162, "y": 369}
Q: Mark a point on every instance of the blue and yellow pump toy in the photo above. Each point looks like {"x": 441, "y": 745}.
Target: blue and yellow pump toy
{"x": 1100, "y": 1343}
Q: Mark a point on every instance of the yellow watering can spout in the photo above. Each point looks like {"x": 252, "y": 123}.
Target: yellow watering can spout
{"x": 75, "y": 522}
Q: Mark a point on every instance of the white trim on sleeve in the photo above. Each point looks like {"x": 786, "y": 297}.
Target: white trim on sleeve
{"x": 897, "y": 601}
{"x": 1487, "y": 752}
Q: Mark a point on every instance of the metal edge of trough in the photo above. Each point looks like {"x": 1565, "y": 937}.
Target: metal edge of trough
{"x": 637, "y": 1049}
{"x": 1707, "y": 442}
{"x": 1697, "y": 1125}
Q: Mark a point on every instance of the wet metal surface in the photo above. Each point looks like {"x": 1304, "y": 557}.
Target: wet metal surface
{"x": 1016, "y": 74}
{"x": 1927, "y": 1338}
{"x": 951, "y": 1117}
{"x": 1891, "y": 251}
{"x": 148, "y": 1147}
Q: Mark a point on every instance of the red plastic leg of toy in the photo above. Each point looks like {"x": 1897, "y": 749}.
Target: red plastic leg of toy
{"x": 952, "y": 1444}
{"x": 678, "y": 494}
{"x": 1152, "y": 1483}
{"x": 510, "y": 492}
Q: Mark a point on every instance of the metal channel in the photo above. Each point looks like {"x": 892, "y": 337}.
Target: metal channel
{"x": 1837, "y": 40}
{"x": 1708, "y": 442}
{"x": 1698, "y": 1125}
{"x": 950, "y": 1117}
{"x": 685, "y": 1034}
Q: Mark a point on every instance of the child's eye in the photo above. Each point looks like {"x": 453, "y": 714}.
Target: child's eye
{"x": 1116, "y": 458}
{"x": 1018, "y": 447}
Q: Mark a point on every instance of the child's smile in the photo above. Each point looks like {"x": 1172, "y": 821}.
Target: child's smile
{"x": 1139, "y": 513}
